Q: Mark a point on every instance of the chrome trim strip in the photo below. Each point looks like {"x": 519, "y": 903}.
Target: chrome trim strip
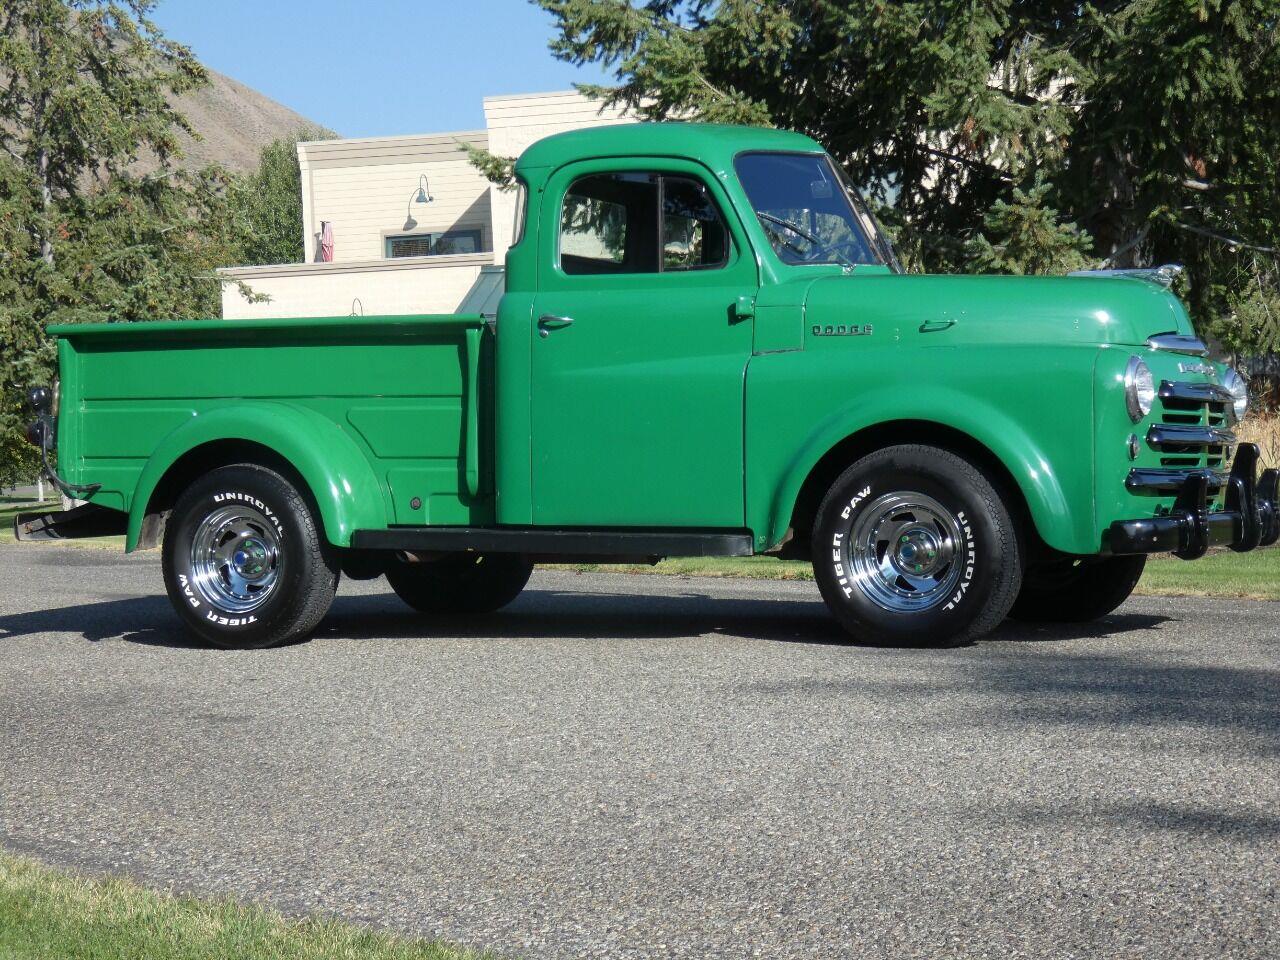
{"x": 1164, "y": 435}
{"x": 1168, "y": 479}
{"x": 1194, "y": 392}
{"x": 1178, "y": 343}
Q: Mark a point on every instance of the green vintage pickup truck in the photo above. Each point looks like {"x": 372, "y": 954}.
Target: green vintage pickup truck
{"x": 705, "y": 348}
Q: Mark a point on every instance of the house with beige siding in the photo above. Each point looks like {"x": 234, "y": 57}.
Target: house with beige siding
{"x": 415, "y": 227}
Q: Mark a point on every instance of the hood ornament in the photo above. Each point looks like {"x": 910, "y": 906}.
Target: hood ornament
{"x": 1163, "y": 275}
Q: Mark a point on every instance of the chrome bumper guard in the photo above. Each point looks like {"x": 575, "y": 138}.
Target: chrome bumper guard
{"x": 1251, "y": 517}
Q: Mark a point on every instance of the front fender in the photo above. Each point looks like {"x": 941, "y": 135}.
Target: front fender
{"x": 1049, "y": 486}
{"x": 339, "y": 477}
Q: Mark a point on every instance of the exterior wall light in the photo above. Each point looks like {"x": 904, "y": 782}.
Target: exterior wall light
{"x": 421, "y": 195}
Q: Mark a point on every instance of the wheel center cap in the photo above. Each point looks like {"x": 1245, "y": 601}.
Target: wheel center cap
{"x": 919, "y": 551}
{"x": 251, "y": 558}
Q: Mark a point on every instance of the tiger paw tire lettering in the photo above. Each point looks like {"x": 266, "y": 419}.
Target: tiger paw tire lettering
{"x": 914, "y": 546}
{"x": 245, "y": 563}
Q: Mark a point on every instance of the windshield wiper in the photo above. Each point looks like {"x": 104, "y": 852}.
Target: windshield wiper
{"x": 797, "y": 230}
{"x": 804, "y": 234}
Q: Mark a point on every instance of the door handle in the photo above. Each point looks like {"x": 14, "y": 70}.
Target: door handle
{"x": 549, "y": 321}
{"x": 933, "y": 326}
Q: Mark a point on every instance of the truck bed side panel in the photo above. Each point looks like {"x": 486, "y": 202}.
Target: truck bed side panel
{"x": 399, "y": 389}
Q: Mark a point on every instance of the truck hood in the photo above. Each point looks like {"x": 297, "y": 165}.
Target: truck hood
{"x": 998, "y": 309}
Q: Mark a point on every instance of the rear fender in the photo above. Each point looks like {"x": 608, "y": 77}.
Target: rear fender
{"x": 339, "y": 477}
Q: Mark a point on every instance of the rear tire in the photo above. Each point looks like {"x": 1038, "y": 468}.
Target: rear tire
{"x": 461, "y": 583}
{"x": 1077, "y": 589}
{"x": 913, "y": 546}
{"x": 245, "y": 563}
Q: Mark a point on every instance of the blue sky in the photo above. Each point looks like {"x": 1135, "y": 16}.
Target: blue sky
{"x": 394, "y": 66}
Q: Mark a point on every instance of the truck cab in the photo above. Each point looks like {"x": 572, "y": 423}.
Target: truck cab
{"x": 705, "y": 347}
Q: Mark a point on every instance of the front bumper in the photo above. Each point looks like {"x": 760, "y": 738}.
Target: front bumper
{"x": 1250, "y": 518}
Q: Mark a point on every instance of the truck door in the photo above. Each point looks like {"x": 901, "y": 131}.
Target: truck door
{"x": 641, "y": 338}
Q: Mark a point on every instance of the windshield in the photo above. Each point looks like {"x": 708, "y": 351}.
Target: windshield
{"x": 809, "y": 211}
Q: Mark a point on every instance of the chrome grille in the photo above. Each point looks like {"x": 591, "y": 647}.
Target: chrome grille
{"x": 1192, "y": 435}
{"x": 1197, "y": 434}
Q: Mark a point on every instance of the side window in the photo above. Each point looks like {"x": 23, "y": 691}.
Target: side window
{"x": 606, "y": 225}
{"x": 616, "y": 223}
{"x": 693, "y": 235}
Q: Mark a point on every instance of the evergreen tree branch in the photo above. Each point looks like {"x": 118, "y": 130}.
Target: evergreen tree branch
{"x": 1222, "y": 238}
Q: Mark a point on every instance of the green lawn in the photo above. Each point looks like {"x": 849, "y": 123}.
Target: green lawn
{"x": 51, "y": 915}
{"x": 1254, "y": 575}
{"x": 751, "y": 568}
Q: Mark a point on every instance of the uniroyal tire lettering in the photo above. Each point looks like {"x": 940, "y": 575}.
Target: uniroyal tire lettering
{"x": 967, "y": 580}
{"x": 252, "y": 501}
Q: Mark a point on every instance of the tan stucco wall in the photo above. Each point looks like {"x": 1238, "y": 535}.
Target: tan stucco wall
{"x": 365, "y": 188}
{"x": 383, "y": 288}
{"x": 516, "y": 122}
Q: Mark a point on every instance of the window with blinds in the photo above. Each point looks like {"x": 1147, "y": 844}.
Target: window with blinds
{"x": 449, "y": 243}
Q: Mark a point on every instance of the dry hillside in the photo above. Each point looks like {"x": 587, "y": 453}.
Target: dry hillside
{"x": 235, "y": 123}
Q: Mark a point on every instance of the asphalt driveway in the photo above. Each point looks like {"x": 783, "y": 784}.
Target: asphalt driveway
{"x": 630, "y": 766}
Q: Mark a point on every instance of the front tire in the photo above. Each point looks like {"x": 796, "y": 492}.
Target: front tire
{"x": 461, "y": 582}
{"x": 913, "y": 546}
{"x": 1077, "y": 589}
{"x": 245, "y": 563}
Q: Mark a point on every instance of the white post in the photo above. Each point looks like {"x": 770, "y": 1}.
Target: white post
{"x": 40, "y": 488}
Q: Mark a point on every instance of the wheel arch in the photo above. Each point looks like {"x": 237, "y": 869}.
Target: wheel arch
{"x": 1034, "y": 498}
{"x": 307, "y": 448}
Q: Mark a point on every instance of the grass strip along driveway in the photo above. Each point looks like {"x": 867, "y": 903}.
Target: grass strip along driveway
{"x": 1251, "y": 576}
{"x": 61, "y": 916}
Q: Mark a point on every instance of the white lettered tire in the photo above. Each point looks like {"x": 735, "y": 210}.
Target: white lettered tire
{"x": 245, "y": 562}
{"x": 913, "y": 546}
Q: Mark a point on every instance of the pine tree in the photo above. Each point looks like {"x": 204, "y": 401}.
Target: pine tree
{"x": 1030, "y": 237}
{"x": 265, "y": 206}
{"x": 1009, "y": 135}
{"x": 85, "y": 94}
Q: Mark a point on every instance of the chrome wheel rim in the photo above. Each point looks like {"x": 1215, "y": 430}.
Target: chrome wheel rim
{"x": 235, "y": 559}
{"x": 906, "y": 552}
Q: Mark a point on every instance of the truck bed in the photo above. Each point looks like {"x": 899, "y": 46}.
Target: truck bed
{"x": 414, "y": 393}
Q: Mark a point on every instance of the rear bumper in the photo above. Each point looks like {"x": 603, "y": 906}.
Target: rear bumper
{"x": 1250, "y": 518}
{"x": 86, "y": 520}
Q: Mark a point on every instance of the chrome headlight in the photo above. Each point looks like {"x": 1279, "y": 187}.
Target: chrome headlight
{"x": 1139, "y": 389}
{"x": 1239, "y": 391}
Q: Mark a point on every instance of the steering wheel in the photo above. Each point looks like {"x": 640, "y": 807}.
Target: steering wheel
{"x": 828, "y": 251}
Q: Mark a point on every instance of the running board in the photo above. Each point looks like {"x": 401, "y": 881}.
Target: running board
{"x": 560, "y": 541}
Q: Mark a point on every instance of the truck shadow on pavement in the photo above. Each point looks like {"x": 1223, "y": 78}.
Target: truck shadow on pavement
{"x": 537, "y": 615}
